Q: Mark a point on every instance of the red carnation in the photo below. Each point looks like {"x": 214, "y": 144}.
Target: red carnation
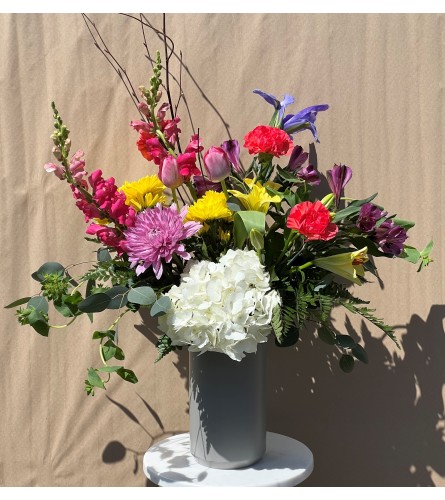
{"x": 312, "y": 220}
{"x": 270, "y": 140}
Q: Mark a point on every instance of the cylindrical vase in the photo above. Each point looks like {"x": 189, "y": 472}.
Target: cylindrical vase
{"x": 228, "y": 409}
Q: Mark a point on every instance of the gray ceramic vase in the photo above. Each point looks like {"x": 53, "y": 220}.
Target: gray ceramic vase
{"x": 228, "y": 409}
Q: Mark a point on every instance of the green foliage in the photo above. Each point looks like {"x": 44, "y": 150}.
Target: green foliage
{"x": 143, "y": 295}
{"x": 118, "y": 272}
{"x": 95, "y": 303}
{"x": 18, "y": 302}
{"x": 161, "y": 306}
{"x": 244, "y": 222}
{"x": 54, "y": 286}
{"x": 47, "y": 269}
{"x": 164, "y": 346}
{"x": 347, "y": 363}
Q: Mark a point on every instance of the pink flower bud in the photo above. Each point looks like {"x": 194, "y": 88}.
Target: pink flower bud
{"x": 57, "y": 169}
{"x": 169, "y": 173}
{"x": 144, "y": 109}
{"x": 217, "y": 164}
{"x": 57, "y": 153}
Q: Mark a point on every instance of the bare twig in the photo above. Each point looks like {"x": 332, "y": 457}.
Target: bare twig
{"x": 122, "y": 73}
{"x": 145, "y": 43}
{"x": 180, "y": 83}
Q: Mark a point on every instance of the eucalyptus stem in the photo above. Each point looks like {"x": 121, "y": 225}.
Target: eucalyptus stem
{"x": 63, "y": 326}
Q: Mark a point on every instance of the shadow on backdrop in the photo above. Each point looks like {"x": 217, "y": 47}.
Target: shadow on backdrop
{"x": 382, "y": 425}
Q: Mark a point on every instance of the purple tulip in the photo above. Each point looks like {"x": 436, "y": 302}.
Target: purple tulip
{"x": 232, "y": 150}
{"x": 203, "y": 185}
{"x": 390, "y": 237}
{"x": 279, "y": 106}
{"x": 217, "y": 164}
{"x": 369, "y": 215}
{"x": 304, "y": 119}
{"x": 338, "y": 177}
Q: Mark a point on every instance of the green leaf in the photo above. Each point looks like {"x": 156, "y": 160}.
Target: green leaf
{"x": 94, "y": 379}
{"x": 89, "y": 288}
{"x": 327, "y": 335}
{"x": 244, "y": 222}
{"x": 106, "y": 333}
{"x": 406, "y": 224}
{"x": 143, "y": 295}
{"x": 39, "y": 303}
{"x": 288, "y": 176}
{"x": 346, "y": 341}
{"x": 127, "y": 375}
{"x": 346, "y": 212}
{"x": 161, "y": 306}
{"x": 359, "y": 353}
{"x": 111, "y": 350}
{"x": 103, "y": 255}
{"x": 164, "y": 346}
{"x": 38, "y": 321}
{"x": 95, "y": 303}
{"x": 347, "y": 363}
{"x": 63, "y": 309}
{"x": 118, "y": 295}
{"x": 359, "y": 203}
{"x": 427, "y": 250}
{"x": 48, "y": 268}
{"x": 18, "y": 302}
{"x": 410, "y": 254}
{"x": 109, "y": 369}
{"x": 233, "y": 204}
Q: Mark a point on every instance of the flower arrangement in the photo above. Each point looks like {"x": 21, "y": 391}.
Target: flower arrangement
{"x": 224, "y": 255}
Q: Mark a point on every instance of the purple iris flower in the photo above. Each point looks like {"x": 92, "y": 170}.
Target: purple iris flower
{"x": 369, "y": 215}
{"x": 304, "y": 119}
{"x": 280, "y": 106}
{"x": 232, "y": 150}
{"x": 390, "y": 237}
{"x": 338, "y": 177}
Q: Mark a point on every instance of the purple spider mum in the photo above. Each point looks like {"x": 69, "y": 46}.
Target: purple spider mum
{"x": 390, "y": 237}
{"x": 157, "y": 236}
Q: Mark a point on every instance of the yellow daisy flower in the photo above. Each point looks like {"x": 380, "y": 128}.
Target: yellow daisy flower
{"x": 144, "y": 193}
{"x": 258, "y": 199}
{"x": 211, "y": 206}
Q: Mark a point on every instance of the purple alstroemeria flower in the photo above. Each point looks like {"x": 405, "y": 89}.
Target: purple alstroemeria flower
{"x": 304, "y": 119}
{"x": 203, "y": 185}
{"x": 297, "y": 158}
{"x": 338, "y": 177}
{"x": 369, "y": 215}
{"x": 232, "y": 150}
{"x": 280, "y": 106}
{"x": 390, "y": 237}
{"x": 310, "y": 175}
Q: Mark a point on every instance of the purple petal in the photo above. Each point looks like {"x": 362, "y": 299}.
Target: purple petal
{"x": 232, "y": 150}
{"x": 297, "y": 158}
{"x": 271, "y": 99}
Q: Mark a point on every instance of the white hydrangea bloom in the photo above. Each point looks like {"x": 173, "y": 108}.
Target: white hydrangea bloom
{"x": 225, "y": 307}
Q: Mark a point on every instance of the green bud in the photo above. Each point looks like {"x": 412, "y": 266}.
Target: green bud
{"x": 328, "y": 200}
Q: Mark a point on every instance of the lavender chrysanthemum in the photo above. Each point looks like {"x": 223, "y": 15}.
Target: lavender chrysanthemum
{"x": 156, "y": 236}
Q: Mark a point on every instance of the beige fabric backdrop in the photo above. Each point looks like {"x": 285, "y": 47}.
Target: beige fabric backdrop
{"x": 383, "y": 76}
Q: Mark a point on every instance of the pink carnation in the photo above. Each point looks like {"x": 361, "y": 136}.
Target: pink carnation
{"x": 156, "y": 236}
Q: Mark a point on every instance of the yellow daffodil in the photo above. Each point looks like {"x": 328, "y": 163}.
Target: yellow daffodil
{"x": 144, "y": 193}
{"x": 348, "y": 265}
{"x": 258, "y": 198}
{"x": 211, "y": 206}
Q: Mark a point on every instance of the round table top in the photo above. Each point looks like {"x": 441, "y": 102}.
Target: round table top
{"x": 287, "y": 462}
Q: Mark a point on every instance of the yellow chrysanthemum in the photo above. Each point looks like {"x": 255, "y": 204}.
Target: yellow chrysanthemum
{"x": 258, "y": 199}
{"x": 144, "y": 193}
{"x": 211, "y": 206}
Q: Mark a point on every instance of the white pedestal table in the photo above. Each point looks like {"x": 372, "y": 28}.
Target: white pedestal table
{"x": 287, "y": 462}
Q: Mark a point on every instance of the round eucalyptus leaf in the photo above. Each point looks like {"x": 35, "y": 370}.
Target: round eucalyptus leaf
{"x": 347, "y": 363}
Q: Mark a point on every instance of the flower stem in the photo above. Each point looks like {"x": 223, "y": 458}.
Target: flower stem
{"x": 175, "y": 198}
{"x": 224, "y": 186}
{"x": 63, "y": 326}
{"x": 304, "y": 266}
